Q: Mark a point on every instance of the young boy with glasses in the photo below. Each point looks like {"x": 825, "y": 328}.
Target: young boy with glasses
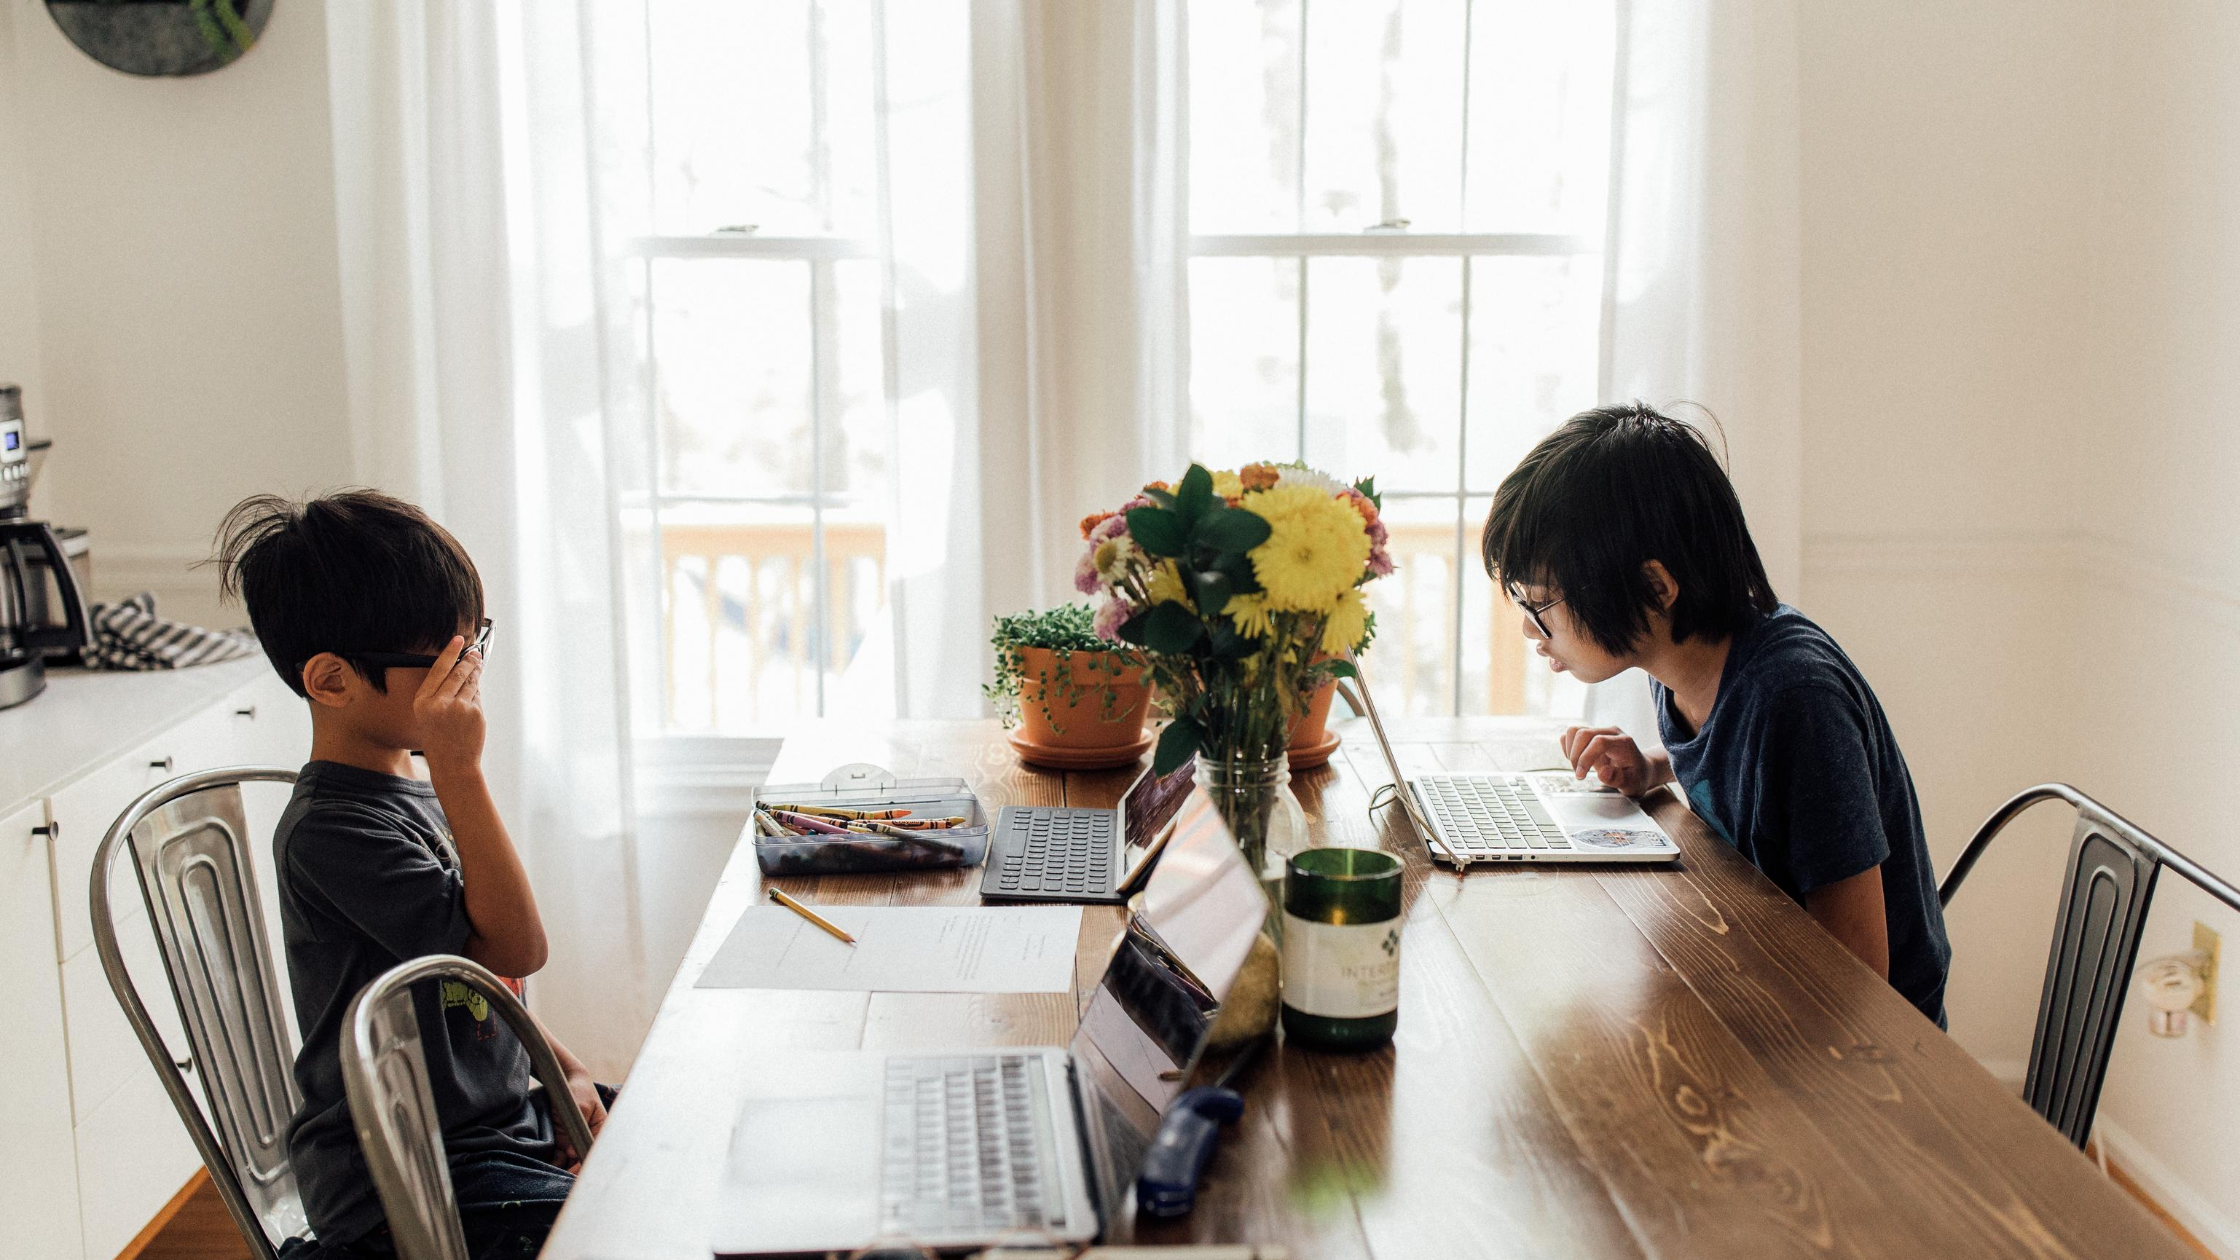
{"x": 1621, "y": 539}
{"x": 374, "y": 614}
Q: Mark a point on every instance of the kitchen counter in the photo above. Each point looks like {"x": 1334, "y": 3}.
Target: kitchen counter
{"x": 86, "y": 717}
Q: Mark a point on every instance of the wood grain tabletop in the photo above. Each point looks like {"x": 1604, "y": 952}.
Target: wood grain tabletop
{"x": 1661, "y": 1061}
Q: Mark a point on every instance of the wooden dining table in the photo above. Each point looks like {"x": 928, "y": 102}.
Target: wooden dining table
{"x": 1661, "y": 1061}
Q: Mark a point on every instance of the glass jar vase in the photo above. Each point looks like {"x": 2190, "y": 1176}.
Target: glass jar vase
{"x": 1253, "y": 796}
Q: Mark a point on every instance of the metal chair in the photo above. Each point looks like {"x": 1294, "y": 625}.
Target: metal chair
{"x": 191, "y": 852}
{"x": 386, "y": 1077}
{"x": 2113, "y": 865}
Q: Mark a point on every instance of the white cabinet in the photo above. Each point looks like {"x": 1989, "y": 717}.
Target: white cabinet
{"x": 93, "y": 1148}
{"x": 38, "y": 1159}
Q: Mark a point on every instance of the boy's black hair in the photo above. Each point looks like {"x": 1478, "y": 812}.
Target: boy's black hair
{"x": 349, "y": 572}
{"x": 1609, "y": 491}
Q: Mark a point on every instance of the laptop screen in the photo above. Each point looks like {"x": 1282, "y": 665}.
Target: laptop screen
{"x": 1176, "y": 959}
{"x": 1150, "y": 802}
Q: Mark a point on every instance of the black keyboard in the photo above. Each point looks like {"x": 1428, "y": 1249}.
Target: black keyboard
{"x": 1050, "y": 853}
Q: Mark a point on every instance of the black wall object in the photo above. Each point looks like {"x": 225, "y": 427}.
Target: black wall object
{"x": 162, "y": 37}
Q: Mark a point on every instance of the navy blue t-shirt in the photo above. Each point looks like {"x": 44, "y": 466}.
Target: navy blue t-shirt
{"x": 368, "y": 879}
{"x": 1796, "y": 768}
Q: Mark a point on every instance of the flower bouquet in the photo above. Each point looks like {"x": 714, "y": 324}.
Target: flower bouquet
{"x": 1242, "y": 592}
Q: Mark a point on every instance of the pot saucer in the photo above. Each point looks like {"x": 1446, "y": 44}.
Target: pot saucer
{"x": 1051, "y": 757}
{"x": 1314, "y": 755}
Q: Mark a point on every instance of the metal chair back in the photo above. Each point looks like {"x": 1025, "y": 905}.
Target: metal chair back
{"x": 192, "y": 855}
{"x": 2105, "y": 895}
{"x": 385, "y": 1075}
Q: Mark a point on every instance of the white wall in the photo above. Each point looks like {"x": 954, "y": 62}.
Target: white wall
{"x": 2022, "y": 320}
{"x": 2156, "y": 517}
{"x": 186, "y": 304}
{"x": 1946, "y": 182}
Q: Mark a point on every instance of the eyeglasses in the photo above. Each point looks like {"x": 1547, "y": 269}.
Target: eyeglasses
{"x": 1534, "y": 610}
{"x": 417, "y": 660}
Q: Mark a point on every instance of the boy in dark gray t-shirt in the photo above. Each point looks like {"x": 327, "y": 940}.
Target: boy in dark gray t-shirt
{"x": 374, "y": 614}
{"x": 1623, "y": 542}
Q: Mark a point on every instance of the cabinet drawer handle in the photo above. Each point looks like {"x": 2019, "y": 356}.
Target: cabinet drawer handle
{"x": 163, "y": 765}
{"x": 249, "y": 713}
{"x": 52, "y": 831}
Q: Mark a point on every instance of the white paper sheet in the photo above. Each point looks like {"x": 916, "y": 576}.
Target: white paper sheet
{"x": 902, "y": 949}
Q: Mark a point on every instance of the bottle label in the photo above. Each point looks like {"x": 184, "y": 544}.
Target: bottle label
{"x": 1341, "y": 971}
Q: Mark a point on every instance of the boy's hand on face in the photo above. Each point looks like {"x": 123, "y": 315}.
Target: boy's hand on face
{"x": 1612, "y": 756}
{"x": 448, "y": 707}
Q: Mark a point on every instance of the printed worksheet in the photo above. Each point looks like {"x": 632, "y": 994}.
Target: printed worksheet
{"x": 902, "y": 949}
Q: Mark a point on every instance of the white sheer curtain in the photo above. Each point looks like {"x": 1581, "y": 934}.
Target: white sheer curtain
{"x": 1702, "y": 290}
{"x": 1080, "y": 224}
{"x": 480, "y": 329}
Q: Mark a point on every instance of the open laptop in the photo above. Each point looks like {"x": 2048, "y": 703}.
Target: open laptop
{"x": 1093, "y": 856}
{"x": 1540, "y": 816}
{"x": 951, "y": 1150}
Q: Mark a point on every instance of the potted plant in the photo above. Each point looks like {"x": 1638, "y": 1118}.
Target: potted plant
{"x": 1078, "y": 702}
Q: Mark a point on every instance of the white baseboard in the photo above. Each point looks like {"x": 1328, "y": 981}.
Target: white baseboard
{"x": 2212, "y": 1225}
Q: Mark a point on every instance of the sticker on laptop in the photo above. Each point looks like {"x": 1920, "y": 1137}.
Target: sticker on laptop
{"x": 1616, "y": 838}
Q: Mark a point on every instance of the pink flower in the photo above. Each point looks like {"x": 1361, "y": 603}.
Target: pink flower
{"x": 1380, "y": 558}
{"x": 1111, "y": 527}
{"x": 1085, "y": 578}
{"x": 1109, "y": 616}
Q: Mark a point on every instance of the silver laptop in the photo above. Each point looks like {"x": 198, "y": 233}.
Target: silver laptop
{"x": 1539, "y": 816}
{"x": 947, "y": 1150}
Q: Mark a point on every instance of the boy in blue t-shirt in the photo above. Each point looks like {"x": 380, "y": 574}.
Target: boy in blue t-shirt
{"x": 1621, "y": 539}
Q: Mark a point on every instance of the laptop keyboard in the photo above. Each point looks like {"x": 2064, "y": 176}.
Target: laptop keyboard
{"x": 1489, "y": 814}
{"x": 968, "y": 1146}
{"x": 1056, "y": 850}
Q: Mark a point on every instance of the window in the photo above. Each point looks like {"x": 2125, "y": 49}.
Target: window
{"x": 1396, "y": 214}
{"x": 765, "y": 298}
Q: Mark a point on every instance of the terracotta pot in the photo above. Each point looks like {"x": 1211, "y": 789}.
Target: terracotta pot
{"x": 1312, "y": 726}
{"x": 1083, "y": 723}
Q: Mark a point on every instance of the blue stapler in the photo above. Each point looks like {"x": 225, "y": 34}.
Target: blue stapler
{"x": 1188, "y": 1132}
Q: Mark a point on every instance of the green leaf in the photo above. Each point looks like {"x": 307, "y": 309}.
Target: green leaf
{"x": 1177, "y": 744}
{"x": 1230, "y": 529}
{"x": 1212, "y": 591}
{"x": 1131, "y": 630}
{"x": 1163, "y": 498}
{"x": 1170, "y": 629}
{"x": 1341, "y": 669}
{"x": 1227, "y": 644}
{"x": 1194, "y": 497}
{"x": 1368, "y": 488}
{"x": 1237, "y": 566}
{"x": 1159, "y": 531}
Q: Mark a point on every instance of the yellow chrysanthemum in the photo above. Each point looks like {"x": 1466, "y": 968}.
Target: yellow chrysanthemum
{"x": 1227, "y": 485}
{"x": 1166, "y": 585}
{"x": 1347, "y": 625}
{"x": 1249, "y": 614}
{"x": 1316, "y": 548}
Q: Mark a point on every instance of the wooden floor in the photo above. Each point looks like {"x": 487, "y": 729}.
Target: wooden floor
{"x": 199, "y": 1229}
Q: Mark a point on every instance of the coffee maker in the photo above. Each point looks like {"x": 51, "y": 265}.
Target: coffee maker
{"x": 43, "y": 610}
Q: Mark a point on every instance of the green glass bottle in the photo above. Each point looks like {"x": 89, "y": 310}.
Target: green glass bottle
{"x": 1341, "y": 949}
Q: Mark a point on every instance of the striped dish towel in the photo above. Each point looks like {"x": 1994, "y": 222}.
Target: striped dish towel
{"x": 129, "y": 635}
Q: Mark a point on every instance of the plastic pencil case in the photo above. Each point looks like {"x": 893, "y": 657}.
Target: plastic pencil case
{"x": 869, "y": 787}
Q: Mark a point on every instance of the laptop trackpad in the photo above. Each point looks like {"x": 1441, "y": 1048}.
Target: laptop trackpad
{"x": 802, "y": 1176}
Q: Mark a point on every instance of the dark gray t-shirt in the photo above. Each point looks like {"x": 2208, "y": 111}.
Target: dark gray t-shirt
{"x": 368, "y": 879}
{"x": 1797, "y": 768}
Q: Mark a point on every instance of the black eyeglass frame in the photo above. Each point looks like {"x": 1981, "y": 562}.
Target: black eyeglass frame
{"x": 1538, "y": 623}
{"x": 419, "y": 660}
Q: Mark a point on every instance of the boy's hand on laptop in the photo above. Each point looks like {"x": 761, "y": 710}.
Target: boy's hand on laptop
{"x": 449, "y": 708}
{"x": 1612, "y": 756}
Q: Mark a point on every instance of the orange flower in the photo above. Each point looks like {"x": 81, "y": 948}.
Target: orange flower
{"x": 1362, "y": 505}
{"x": 1158, "y": 485}
{"x": 1258, "y": 476}
{"x": 1090, "y": 522}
